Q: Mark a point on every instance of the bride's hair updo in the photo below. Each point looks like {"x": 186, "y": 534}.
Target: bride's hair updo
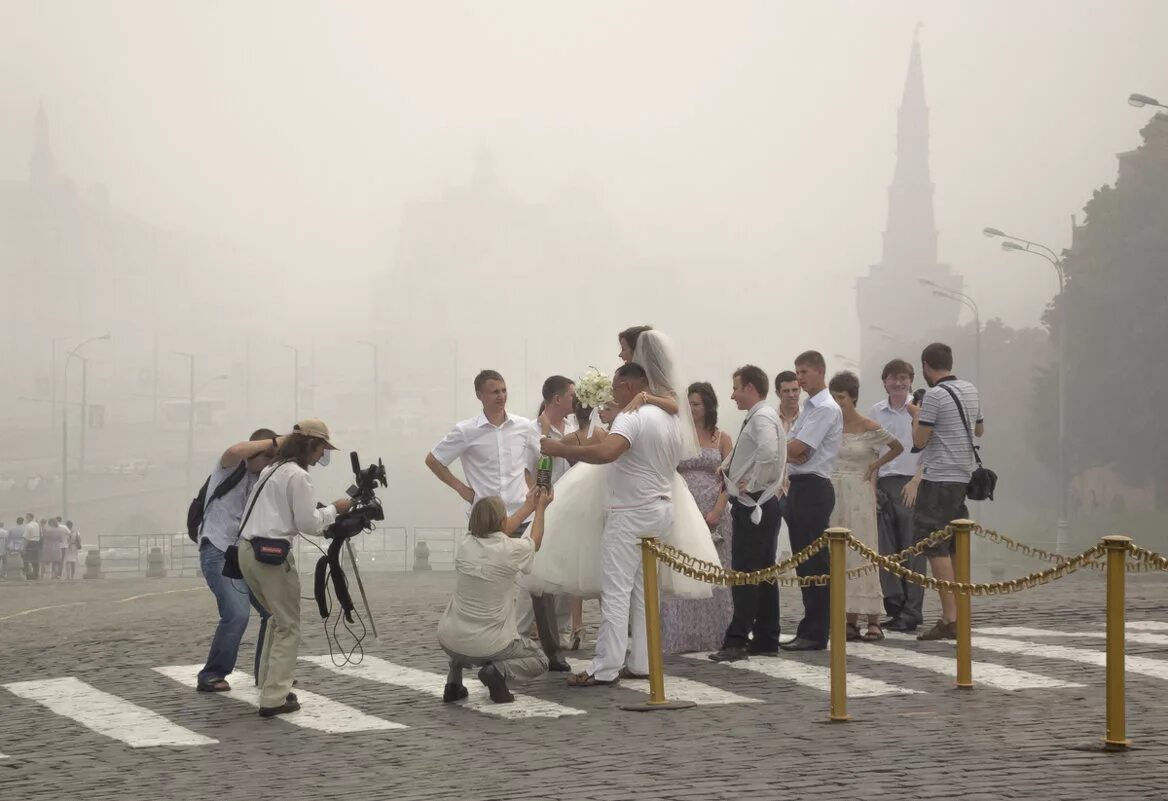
{"x": 487, "y": 516}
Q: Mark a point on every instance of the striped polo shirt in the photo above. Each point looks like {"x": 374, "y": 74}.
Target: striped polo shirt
{"x": 948, "y": 457}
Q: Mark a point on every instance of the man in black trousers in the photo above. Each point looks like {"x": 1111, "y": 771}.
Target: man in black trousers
{"x": 753, "y": 476}
{"x": 812, "y": 449}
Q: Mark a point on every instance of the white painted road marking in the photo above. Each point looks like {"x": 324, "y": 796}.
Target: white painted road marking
{"x": 987, "y": 673}
{"x": 1140, "y": 665}
{"x": 1147, "y": 625}
{"x": 813, "y": 676}
{"x": 379, "y": 670}
{"x": 1023, "y": 631}
{"x": 679, "y": 689}
{"x": 42, "y": 609}
{"x": 106, "y": 714}
{"x": 317, "y": 712}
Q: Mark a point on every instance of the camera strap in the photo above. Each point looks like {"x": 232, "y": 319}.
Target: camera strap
{"x": 330, "y": 565}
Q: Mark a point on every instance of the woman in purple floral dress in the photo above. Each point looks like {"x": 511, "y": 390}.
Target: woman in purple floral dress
{"x": 688, "y": 626}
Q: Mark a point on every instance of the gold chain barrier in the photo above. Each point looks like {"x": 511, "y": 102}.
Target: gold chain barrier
{"x": 1110, "y": 554}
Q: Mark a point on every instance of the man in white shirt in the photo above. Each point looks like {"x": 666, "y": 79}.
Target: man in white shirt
{"x": 32, "y": 547}
{"x": 812, "y": 450}
{"x": 787, "y": 388}
{"x": 644, "y": 447}
{"x": 495, "y": 449}
{"x": 3, "y": 548}
{"x": 753, "y": 477}
{"x": 896, "y": 488}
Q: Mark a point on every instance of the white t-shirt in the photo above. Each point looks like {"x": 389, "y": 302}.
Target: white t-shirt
{"x": 644, "y": 473}
{"x": 560, "y": 465}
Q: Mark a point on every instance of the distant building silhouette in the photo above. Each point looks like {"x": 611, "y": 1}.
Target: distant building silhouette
{"x": 891, "y": 297}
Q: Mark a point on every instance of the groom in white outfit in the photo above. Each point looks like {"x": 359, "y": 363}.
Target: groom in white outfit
{"x": 644, "y": 454}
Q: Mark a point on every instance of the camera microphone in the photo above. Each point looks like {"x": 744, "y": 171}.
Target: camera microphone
{"x": 355, "y": 462}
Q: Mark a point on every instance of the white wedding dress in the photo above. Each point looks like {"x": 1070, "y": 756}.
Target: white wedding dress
{"x": 568, "y": 561}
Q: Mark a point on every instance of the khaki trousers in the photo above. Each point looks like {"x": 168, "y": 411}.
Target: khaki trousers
{"x": 277, "y": 588}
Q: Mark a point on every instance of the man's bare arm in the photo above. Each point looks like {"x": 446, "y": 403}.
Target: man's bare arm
{"x": 448, "y": 478}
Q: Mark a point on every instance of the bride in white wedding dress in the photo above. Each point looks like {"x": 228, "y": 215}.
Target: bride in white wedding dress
{"x": 568, "y": 562}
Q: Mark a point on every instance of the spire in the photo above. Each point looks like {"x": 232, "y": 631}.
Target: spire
{"x": 42, "y": 169}
{"x": 910, "y": 238}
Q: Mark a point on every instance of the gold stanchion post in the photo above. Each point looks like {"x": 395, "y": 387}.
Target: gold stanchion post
{"x": 1117, "y": 548}
{"x": 837, "y": 544}
{"x": 657, "y": 699}
{"x": 961, "y": 573}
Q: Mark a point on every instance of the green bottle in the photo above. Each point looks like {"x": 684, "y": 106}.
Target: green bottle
{"x": 543, "y": 472}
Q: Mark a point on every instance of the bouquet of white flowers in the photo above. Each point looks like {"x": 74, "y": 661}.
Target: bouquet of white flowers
{"x": 594, "y": 389}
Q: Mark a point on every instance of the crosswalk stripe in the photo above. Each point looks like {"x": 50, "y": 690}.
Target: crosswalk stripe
{"x": 1140, "y": 665}
{"x": 1023, "y": 631}
{"x": 371, "y": 668}
{"x": 318, "y": 712}
{"x": 679, "y": 689}
{"x": 813, "y": 676}
{"x": 987, "y": 673}
{"x": 1147, "y": 625}
{"x": 105, "y": 713}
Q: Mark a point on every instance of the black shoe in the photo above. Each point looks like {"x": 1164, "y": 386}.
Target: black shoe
{"x": 729, "y": 655}
{"x": 801, "y": 644}
{"x": 900, "y": 625}
{"x": 454, "y": 692}
{"x": 283, "y": 709}
{"x": 291, "y": 698}
{"x": 752, "y": 651}
{"x": 559, "y": 665}
{"x": 496, "y": 684}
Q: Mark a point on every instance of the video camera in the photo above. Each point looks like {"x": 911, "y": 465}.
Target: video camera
{"x": 366, "y": 509}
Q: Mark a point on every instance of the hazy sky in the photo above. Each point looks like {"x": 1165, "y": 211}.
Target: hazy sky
{"x": 758, "y": 134}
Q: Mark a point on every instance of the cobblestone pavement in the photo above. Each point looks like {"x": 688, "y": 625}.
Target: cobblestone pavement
{"x": 770, "y": 741}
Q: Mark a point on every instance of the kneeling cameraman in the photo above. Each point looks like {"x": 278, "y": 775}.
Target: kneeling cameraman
{"x": 478, "y": 627}
{"x": 281, "y": 506}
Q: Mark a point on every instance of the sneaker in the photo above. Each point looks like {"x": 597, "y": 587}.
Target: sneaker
{"x": 496, "y": 684}
{"x": 940, "y": 631}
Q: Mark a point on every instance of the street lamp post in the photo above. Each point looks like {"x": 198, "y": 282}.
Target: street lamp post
{"x": 65, "y": 421}
{"x": 969, "y": 303}
{"x": 1139, "y": 101}
{"x": 1017, "y": 243}
{"x": 190, "y": 415}
{"x": 376, "y": 386}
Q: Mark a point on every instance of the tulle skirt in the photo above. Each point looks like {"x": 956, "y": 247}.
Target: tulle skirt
{"x": 568, "y": 561}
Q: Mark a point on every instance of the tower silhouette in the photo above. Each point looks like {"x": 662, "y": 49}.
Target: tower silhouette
{"x": 897, "y": 314}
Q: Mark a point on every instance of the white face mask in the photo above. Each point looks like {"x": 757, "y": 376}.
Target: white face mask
{"x": 323, "y": 460}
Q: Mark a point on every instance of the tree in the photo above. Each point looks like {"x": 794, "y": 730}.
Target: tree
{"x": 1116, "y": 306}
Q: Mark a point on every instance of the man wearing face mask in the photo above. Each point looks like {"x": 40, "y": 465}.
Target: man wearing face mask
{"x": 282, "y": 506}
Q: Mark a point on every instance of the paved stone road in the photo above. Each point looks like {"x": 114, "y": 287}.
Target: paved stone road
{"x": 937, "y": 742}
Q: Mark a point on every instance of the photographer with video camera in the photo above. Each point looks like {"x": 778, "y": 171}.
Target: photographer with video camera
{"x": 281, "y": 506}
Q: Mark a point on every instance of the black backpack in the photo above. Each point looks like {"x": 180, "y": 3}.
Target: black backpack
{"x": 201, "y": 502}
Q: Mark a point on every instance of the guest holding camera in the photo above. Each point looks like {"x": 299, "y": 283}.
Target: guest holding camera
{"x": 281, "y": 506}
{"x": 478, "y": 628}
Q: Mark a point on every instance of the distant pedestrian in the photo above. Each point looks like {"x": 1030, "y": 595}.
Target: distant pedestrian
{"x": 32, "y": 547}
{"x": 72, "y": 549}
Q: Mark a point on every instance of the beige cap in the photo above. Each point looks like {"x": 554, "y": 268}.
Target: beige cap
{"x": 313, "y": 427}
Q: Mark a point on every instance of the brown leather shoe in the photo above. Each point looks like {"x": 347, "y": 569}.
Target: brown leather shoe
{"x": 940, "y": 631}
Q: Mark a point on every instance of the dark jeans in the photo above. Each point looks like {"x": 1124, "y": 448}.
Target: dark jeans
{"x": 756, "y": 606}
{"x": 902, "y": 598}
{"x": 809, "y": 506}
{"x": 235, "y": 602}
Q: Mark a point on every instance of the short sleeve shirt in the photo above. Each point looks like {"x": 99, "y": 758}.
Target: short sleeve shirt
{"x": 221, "y": 519}
{"x": 644, "y": 473}
{"x": 821, "y": 428}
{"x": 949, "y": 456}
{"x": 494, "y": 458}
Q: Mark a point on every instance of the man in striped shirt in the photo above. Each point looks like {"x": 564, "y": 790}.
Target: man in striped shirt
{"x": 946, "y": 448}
